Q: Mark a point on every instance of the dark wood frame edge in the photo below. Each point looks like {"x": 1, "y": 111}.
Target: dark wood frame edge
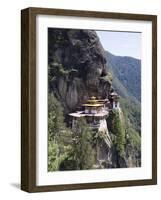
{"x": 28, "y": 99}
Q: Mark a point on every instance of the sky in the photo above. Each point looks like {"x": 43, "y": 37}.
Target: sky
{"x": 121, "y": 43}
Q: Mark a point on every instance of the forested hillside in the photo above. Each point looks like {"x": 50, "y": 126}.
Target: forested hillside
{"x": 126, "y": 75}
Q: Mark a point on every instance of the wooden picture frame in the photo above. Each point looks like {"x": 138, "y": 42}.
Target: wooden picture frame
{"x": 28, "y": 99}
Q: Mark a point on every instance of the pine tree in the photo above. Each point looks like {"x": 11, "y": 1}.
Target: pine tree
{"x": 59, "y": 136}
{"x": 117, "y": 128}
{"x": 82, "y": 148}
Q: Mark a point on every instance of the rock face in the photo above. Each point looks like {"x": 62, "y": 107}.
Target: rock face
{"x": 80, "y": 61}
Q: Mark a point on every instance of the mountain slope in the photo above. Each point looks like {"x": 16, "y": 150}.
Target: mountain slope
{"x": 126, "y": 73}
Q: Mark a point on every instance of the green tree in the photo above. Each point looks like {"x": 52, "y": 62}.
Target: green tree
{"x": 118, "y": 129}
{"x": 132, "y": 115}
{"x": 83, "y": 153}
{"x": 59, "y": 136}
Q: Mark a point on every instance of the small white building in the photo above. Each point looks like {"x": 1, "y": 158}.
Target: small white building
{"x": 114, "y": 97}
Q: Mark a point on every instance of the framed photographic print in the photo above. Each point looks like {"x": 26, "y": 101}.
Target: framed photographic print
{"x": 89, "y": 99}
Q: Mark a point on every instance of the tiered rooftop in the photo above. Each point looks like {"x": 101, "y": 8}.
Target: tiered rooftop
{"x": 93, "y": 107}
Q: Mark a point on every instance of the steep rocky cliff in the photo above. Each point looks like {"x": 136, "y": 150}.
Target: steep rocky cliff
{"x": 77, "y": 70}
{"x": 77, "y": 66}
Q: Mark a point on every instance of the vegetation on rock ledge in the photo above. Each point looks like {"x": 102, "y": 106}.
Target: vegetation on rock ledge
{"x": 116, "y": 126}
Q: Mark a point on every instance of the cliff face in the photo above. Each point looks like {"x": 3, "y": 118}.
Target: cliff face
{"x": 78, "y": 70}
{"x": 80, "y": 61}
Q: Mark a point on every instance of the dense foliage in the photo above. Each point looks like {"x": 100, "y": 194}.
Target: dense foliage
{"x": 116, "y": 126}
{"x": 67, "y": 149}
{"x": 132, "y": 124}
{"x": 82, "y": 148}
{"x": 132, "y": 113}
{"x": 59, "y": 136}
